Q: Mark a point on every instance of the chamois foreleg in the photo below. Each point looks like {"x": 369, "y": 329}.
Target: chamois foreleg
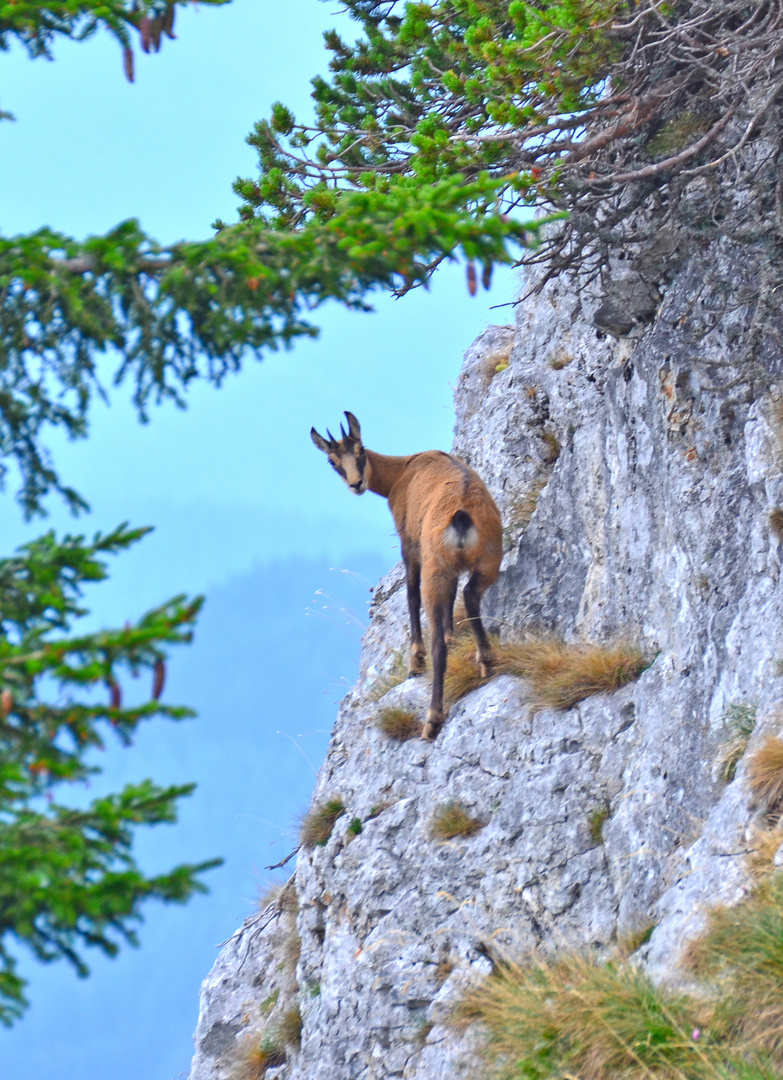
{"x": 417, "y": 661}
{"x": 472, "y": 594}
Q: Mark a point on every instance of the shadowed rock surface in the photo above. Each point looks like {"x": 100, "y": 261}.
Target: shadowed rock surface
{"x": 636, "y": 476}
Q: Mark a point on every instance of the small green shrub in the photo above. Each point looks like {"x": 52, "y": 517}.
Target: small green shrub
{"x": 596, "y": 822}
{"x": 269, "y": 1002}
{"x": 451, "y": 820}
{"x": 355, "y": 828}
{"x": 319, "y": 822}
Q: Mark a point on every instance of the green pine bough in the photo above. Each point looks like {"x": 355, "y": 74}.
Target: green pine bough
{"x": 68, "y": 877}
{"x": 435, "y": 136}
{"x": 411, "y": 161}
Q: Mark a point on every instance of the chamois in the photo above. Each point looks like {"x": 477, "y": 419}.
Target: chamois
{"x": 447, "y": 523}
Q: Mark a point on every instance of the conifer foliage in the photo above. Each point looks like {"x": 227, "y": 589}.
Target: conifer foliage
{"x": 435, "y": 134}
{"x": 68, "y": 878}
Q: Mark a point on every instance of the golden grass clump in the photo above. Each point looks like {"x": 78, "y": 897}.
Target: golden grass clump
{"x": 451, "y": 820}
{"x": 559, "y": 360}
{"x": 776, "y": 521}
{"x": 319, "y": 822}
{"x": 739, "y": 720}
{"x": 765, "y": 844}
{"x": 575, "y": 1017}
{"x": 399, "y": 724}
{"x": 742, "y": 952}
{"x": 282, "y": 895}
{"x": 560, "y": 674}
{"x": 289, "y": 1027}
{"x": 292, "y": 950}
{"x": 765, "y": 774}
{"x": 579, "y": 1018}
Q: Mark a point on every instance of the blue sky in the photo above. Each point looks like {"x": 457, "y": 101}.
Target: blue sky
{"x": 88, "y": 150}
{"x": 244, "y": 506}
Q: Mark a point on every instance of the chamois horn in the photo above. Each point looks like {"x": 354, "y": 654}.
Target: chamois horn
{"x": 353, "y": 426}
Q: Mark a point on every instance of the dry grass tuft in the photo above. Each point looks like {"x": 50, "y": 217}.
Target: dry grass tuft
{"x": 765, "y": 774}
{"x": 283, "y": 896}
{"x": 765, "y": 844}
{"x": 561, "y": 675}
{"x": 400, "y": 724}
{"x": 289, "y": 1027}
{"x": 552, "y": 444}
{"x": 742, "y": 952}
{"x": 292, "y": 950}
{"x": 575, "y": 1017}
{"x": 258, "y": 1056}
{"x": 395, "y": 673}
{"x": 776, "y": 521}
{"x": 462, "y": 673}
{"x": 560, "y": 360}
{"x": 270, "y": 896}
{"x": 451, "y": 820}
{"x": 739, "y": 720}
{"x": 633, "y": 940}
{"x": 443, "y": 969}
{"x": 319, "y": 822}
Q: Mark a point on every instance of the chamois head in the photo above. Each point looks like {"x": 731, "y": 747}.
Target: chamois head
{"x": 346, "y": 455}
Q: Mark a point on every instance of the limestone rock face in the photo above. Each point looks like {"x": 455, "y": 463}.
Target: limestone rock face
{"x": 636, "y": 476}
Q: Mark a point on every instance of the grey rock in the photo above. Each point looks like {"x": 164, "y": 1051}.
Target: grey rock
{"x": 635, "y": 478}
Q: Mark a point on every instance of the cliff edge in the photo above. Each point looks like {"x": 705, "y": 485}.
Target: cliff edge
{"x": 637, "y": 465}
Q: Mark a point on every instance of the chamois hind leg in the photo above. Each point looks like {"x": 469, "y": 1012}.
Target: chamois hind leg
{"x": 438, "y": 592}
{"x": 449, "y": 631}
{"x": 472, "y": 594}
{"x": 417, "y": 660}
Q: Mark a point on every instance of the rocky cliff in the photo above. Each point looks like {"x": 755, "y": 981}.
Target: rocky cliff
{"x": 637, "y": 463}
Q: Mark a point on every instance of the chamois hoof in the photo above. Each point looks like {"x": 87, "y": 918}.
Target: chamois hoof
{"x": 432, "y": 726}
{"x": 486, "y": 666}
{"x": 450, "y": 639}
{"x": 417, "y": 662}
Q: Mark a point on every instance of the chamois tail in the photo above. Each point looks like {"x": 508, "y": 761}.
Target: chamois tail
{"x": 460, "y": 533}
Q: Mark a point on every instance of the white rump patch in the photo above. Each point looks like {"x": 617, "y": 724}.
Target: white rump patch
{"x": 460, "y": 541}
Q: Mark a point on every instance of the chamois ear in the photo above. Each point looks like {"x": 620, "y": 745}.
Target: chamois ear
{"x": 319, "y": 440}
{"x": 353, "y": 427}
